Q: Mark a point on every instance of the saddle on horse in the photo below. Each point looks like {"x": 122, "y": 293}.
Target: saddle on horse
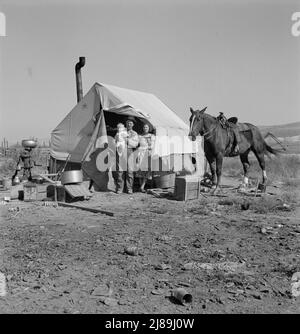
{"x": 232, "y": 124}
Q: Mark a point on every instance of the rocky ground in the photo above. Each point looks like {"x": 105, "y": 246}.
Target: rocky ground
{"x": 231, "y": 257}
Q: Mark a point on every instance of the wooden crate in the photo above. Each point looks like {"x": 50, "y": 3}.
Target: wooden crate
{"x": 34, "y": 191}
{"x": 187, "y": 187}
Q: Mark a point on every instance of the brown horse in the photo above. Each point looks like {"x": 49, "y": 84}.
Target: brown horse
{"x": 219, "y": 141}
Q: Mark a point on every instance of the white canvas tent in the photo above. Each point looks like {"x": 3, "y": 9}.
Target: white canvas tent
{"x": 83, "y": 132}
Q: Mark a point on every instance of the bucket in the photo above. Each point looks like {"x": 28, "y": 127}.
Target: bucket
{"x": 165, "y": 180}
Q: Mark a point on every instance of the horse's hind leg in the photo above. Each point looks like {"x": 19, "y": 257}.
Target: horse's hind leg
{"x": 261, "y": 160}
{"x": 246, "y": 166}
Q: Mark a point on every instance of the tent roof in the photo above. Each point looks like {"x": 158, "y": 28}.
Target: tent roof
{"x": 145, "y": 104}
{"x": 74, "y": 132}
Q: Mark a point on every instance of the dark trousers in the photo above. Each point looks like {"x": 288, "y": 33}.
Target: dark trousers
{"x": 124, "y": 176}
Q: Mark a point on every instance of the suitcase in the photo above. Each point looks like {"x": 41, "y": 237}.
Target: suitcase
{"x": 187, "y": 187}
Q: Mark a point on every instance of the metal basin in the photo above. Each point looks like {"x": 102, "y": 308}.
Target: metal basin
{"x": 72, "y": 176}
{"x": 29, "y": 143}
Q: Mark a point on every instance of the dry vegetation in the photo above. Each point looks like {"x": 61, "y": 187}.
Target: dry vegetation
{"x": 284, "y": 168}
{"x": 8, "y": 163}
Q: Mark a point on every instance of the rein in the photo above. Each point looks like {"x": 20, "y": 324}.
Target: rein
{"x": 207, "y": 132}
{"x": 211, "y": 130}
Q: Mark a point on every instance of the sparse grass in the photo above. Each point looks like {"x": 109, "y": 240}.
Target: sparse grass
{"x": 267, "y": 204}
{"x": 8, "y": 164}
{"x": 7, "y": 167}
{"x": 283, "y": 168}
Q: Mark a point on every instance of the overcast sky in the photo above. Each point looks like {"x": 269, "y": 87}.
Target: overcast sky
{"x": 234, "y": 56}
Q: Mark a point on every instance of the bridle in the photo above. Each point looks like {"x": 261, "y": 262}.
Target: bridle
{"x": 205, "y": 133}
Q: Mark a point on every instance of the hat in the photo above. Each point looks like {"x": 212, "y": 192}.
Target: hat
{"x": 130, "y": 118}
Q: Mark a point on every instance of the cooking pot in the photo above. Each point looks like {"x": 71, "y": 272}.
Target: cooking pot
{"x": 29, "y": 143}
{"x": 72, "y": 176}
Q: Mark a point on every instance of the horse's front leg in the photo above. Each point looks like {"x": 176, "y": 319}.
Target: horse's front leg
{"x": 219, "y": 164}
{"x": 212, "y": 165}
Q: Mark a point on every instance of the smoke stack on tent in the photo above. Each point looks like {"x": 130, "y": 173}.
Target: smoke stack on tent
{"x": 78, "y": 67}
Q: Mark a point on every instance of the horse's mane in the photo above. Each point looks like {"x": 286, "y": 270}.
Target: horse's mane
{"x": 210, "y": 116}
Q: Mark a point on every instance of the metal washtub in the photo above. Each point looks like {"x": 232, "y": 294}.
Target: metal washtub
{"x": 72, "y": 176}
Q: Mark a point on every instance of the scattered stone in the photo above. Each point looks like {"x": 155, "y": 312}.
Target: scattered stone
{"x": 226, "y": 266}
{"x": 132, "y": 250}
{"x": 158, "y": 292}
{"x": 164, "y": 237}
{"x": 102, "y": 290}
{"x": 256, "y": 295}
{"x": 2, "y": 285}
{"x": 109, "y": 301}
{"x": 245, "y": 206}
{"x": 9, "y": 277}
{"x": 123, "y": 302}
{"x": 295, "y": 285}
{"x": 189, "y": 266}
{"x": 225, "y": 202}
{"x": 162, "y": 266}
{"x": 184, "y": 284}
{"x": 284, "y": 207}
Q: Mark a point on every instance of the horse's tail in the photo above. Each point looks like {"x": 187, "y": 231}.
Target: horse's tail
{"x": 269, "y": 149}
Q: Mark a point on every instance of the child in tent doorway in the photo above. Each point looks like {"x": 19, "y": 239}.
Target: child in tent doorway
{"x": 120, "y": 138}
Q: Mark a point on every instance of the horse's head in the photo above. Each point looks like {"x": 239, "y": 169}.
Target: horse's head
{"x": 196, "y": 123}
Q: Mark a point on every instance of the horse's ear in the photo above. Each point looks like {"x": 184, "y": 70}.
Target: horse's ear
{"x": 191, "y": 110}
{"x": 203, "y": 110}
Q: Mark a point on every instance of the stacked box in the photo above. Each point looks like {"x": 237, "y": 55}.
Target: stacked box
{"x": 187, "y": 187}
{"x": 34, "y": 191}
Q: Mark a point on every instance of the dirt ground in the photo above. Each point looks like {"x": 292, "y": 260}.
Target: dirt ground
{"x": 65, "y": 260}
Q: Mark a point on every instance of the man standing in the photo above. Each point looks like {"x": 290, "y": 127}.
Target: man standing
{"x": 132, "y": 142}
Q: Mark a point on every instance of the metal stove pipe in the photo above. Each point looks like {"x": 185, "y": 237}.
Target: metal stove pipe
{"x": 78, "y": 66}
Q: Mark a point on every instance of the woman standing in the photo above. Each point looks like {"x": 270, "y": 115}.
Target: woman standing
{"x": 146, "y": 144}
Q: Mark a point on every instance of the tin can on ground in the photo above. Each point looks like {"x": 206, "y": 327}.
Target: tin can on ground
{"x": 182, "y": 296}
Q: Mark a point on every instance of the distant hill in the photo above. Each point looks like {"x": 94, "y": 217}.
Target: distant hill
{"x": 283, "y": 131}
{"x": 287, "y": 134}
